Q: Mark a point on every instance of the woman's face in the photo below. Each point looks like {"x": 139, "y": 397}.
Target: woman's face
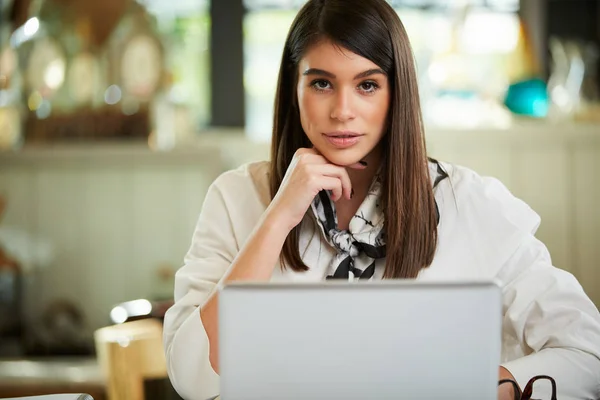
{"x": 343, "y": 100}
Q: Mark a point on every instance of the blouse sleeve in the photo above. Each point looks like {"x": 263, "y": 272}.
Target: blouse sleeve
{"x": 207, "y": 261}
{"x": 557, "y": 324}
{"x": 546, "y": 312}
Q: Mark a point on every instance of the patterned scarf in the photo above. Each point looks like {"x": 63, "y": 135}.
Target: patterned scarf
{"x": 364, "y": 241}
{"x": 359, "y": 246}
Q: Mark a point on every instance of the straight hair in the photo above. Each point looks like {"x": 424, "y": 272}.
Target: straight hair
{"x": 373, "y": 30}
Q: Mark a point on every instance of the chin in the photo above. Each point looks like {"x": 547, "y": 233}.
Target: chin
{"x": 342, "y": 158}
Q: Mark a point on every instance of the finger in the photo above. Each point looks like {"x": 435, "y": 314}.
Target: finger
{"x": 333, "y": 184}
{"x": 306, "y": 150}
{"x": 309, "y": 156}
{"x": 337, "y": 172}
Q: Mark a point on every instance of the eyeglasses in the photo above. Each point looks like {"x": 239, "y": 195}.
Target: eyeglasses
{"x": 527, "y": 393}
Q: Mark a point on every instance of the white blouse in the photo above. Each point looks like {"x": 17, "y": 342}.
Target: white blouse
{"x": 549, "y": 325}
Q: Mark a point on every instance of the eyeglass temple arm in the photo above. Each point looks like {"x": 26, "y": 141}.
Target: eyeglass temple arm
{"x": 516, "y": 387}
{"x": 528, "y": 391}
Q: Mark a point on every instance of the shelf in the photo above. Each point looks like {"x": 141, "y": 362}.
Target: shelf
{"x": 232, "y": 146}
{"x": 207, "y": 148}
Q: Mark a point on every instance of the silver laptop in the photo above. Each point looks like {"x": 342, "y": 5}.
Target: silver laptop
{"x": 375, "y": 340}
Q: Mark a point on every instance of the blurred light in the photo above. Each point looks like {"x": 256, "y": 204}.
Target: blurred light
{"x": 540, "y": 107}
{"x": 76, "y": 374}
{"x": 129, "y": 309}
{"x": 44, "y": 110}
{"x": 4, "y": 97}
{"x": 139, "y": 307}
{"x": 439, "y": 37}
{"x": 118, "y": 315}
{"x": 561, "y": 97}
{"x": 24, "y": 32}
{"x": 437, "y": 73}
{"x": 175, "y": 8}
{"x": 29, "y": 369}
{"x": 54, "y": 75}
{"x": 123, "y": 341}
{"x": 31, "y": 26}
{"x": 152, "y": 141}
{"x": 35, "y": 101}
{"x": 488, "y": 32}
{"x": 130, "y": 107}
{"x": 112, "y": 95}
{"x": 8, "y": 62}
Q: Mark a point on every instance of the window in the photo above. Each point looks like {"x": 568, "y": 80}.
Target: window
{"x": 185, "y": 28}
{"x": 266, "y": 24}
{"x": 464, "y": 57}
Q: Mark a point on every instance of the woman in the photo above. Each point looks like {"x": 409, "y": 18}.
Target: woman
{"x": 350, "y": 194}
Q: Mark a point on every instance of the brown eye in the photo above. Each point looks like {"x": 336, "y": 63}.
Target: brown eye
{"x": 368, "y": 86}
{"x": 320, "y": 84}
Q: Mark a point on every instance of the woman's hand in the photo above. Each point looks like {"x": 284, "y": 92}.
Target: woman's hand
{"x": 308, "y": 174}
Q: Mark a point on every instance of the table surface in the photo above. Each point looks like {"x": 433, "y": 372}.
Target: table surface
{"x": 59, "y": 370}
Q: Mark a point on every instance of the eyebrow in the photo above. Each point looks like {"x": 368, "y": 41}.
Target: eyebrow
{"x": 364, "y": 74}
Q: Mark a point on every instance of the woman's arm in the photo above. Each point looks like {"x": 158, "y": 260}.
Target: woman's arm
{"x": 255, "y": 262}
{"x": 220, "y": 253}
{"x": 547, "y": 310}
{"x": 546, "y": 314}
{"x": 308, "y": 174}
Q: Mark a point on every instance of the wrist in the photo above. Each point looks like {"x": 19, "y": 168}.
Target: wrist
{"x": 278, "y": 222}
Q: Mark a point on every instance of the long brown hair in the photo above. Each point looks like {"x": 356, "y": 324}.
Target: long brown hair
{"x": 371, "y": 29}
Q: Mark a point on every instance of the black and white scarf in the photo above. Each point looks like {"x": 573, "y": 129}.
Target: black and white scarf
{"x": 363, "y": 243}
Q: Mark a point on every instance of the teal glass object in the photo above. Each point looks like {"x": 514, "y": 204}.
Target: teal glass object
{"x": 528, "y": 97}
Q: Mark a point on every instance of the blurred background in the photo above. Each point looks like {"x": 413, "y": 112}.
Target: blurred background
{"x": 115, "y": 116}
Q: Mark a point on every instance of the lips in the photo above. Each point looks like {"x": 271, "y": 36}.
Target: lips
{"x": 342, "y": 134}
{"x": 342, "y": 139}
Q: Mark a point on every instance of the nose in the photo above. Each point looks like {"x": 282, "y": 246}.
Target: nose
{"x": 342, "y": 108}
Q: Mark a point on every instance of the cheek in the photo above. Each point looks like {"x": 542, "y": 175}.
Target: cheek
{"x": 304, "y": 115}
{"x": 380, "y": 111}
{"x": 310, "y": 109}
{"x": 301, "y": 98}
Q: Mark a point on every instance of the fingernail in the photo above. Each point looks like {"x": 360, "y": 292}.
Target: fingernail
{"x": 363, "y": 163}
{"x": 351, "y": 193}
